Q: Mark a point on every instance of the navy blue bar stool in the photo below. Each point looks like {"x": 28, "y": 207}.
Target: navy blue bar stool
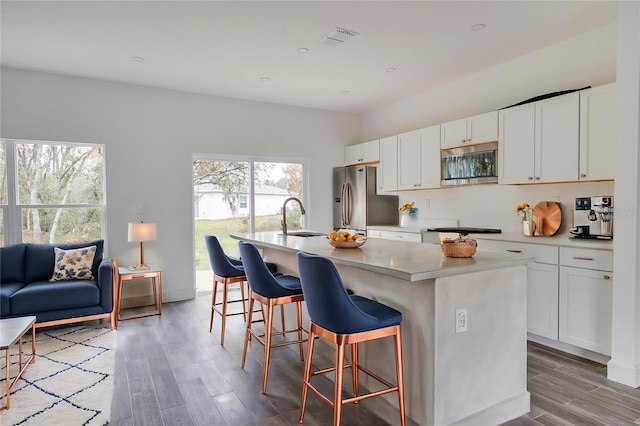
{"x": 226, "y": 271}
{"x": 344, "y": 319}
{"x": 271, "y": 291}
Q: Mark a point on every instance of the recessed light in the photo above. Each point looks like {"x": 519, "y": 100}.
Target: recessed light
{"x": 302, "y": 50}
{"x": 478, "y": 27}
{"x": 265, "y": 79}
{"x": 345, "y": 92}
{"x": 137, "y": 58}
{"x": 391, "y": 69}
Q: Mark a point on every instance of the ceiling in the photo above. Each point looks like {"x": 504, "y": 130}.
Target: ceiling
{"x": 227, "y": 48}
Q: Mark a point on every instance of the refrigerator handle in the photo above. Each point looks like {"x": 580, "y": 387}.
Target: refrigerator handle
{"x": 348, "y": 204}
{"x": 343, "y": 204}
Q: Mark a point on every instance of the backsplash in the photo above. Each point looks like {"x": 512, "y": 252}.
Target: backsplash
{"x": 494, "y": 206}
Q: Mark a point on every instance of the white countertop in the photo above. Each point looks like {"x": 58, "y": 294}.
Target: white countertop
{"x": 400, "y": 259}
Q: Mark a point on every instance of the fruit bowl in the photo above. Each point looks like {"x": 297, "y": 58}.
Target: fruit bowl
{"x": 348, "y": 244}
{"x": 457, "y": 248}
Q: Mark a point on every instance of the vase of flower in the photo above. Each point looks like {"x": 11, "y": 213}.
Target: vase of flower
{"x": 528, "y": 228}
{"x": 528, "y": 225}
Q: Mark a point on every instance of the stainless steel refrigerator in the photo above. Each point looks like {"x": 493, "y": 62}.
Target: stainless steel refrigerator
{"x": 356, "y": 203}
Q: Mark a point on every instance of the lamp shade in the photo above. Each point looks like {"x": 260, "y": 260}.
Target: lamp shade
{"x": 140, "y": 232}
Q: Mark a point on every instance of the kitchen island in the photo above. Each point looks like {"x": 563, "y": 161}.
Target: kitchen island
{"x": 477, "y": 376}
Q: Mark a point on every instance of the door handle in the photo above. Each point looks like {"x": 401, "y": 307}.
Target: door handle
{"x": 582, "y": 258}
{"x": 514, "y": 251}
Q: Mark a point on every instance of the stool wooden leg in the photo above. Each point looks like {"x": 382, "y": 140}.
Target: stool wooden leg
{"x": 354, "y": 368}
{"x": 399, "y": 372}
{"x": 244, "y": 306}
{"x": 299, "y": 312}
{"x": 337, "y": 397}
{"x": 268, "y": 327}
{"x": 247, "y": 334}
{"x": 213, "y": 303}
{"x": 307, "y": 373}
{"x": 225, "y": 298}
{"x": 282, "y": 317}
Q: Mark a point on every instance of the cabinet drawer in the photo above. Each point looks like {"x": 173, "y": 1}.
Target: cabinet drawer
{"x": 541, "y": 253}
{"x": 401, "y": 236}
{"x": 601, "y": 260}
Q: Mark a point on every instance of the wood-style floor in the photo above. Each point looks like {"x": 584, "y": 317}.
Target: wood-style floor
{"x": 171, "y": 371}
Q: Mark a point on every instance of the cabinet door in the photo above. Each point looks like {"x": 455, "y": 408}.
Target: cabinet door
{"x": 388, "y": 169}
{"x": 557, "y": 134}
{"x": 542, "y": 300}
{"x": 597, "y": 132}
{"x": 516, "y": 144}
{"x": 454, "y": 133}
{"x": 371, "y": 151}
{"x": 585, "y": 308}
{"x": 430, "y": 157}
{"x": 408, "y": 160}
{"x": 483, "y": 127}
{"x": 353, "y": 154}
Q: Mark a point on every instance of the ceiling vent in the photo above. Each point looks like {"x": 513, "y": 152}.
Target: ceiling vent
{"x": 337, "y": 37}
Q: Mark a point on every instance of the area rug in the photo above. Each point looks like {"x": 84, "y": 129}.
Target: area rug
{"x": 71, "y": 382}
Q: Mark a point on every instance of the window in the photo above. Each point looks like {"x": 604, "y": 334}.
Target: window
{"x": 51, "y": 192}
{"x": 239, "y": 194}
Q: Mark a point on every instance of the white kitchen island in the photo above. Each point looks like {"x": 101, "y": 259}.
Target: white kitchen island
{"x": 476, "y": 377}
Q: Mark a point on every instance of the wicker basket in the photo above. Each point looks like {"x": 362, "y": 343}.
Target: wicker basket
{"x": 457, "y": 248}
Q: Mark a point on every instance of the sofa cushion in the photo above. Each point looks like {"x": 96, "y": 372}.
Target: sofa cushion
{"x": 39, "y": 259}
{"x": 12, "y": 263}
{"x": 6, "y": 290}
{"x": 73, "y": 264}
{"x": 43, "y": 296}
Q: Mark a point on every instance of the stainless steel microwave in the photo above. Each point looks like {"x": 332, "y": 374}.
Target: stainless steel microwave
{"x": 470, "y": 165}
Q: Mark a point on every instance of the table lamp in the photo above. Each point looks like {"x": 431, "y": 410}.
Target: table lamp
{"x": 141, "y": 232}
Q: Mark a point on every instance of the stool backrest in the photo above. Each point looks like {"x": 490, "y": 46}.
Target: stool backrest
{"x": 219, "y": 261}
{"x": 328, "y": 303}
{"x": 260, "y": 279}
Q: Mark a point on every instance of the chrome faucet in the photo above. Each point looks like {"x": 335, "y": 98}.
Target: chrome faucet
{"x": 284, "y": 212}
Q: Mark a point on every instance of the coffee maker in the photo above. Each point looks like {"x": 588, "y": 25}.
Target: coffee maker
{"x": 593, "y": 218}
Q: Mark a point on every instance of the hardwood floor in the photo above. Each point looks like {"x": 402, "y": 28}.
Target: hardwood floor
{"x": 171, "y": 371}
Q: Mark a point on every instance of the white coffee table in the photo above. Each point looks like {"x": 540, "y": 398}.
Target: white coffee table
{"x": 11, "y": 331}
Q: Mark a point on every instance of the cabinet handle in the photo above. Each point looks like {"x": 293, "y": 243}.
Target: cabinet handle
{"x": 607, "y": 277}
{"x": 537, "y": 177}
{"x": 529, "y": 178}
{"x": 582, "y": 258}
{"x": 514, "y": 251}
{"x": 582, "y": 175}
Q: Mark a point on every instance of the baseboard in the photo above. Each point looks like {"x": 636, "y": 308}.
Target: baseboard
{"x": 565, "y": 347}
{"x": 499, "y": 413}
{"x": 625, "y": 374}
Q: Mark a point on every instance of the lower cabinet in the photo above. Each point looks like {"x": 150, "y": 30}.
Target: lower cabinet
{"x": 414, "y": 237}
{"x": 585, "y": 299}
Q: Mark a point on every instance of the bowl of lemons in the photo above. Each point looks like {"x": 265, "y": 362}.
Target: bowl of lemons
{"x": 345, "y": 239}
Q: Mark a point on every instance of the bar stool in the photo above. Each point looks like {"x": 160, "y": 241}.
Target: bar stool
{"x": 226, "y": 271}
{"x": 271, "y": 291}
{"x": 345, "y": 319}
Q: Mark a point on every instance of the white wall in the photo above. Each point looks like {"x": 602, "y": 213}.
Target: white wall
{"x": 150, "y": 135}
{"x": 588, "y": 59}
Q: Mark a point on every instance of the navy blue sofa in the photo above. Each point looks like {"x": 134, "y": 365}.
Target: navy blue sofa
{"x": 25, "y": 270}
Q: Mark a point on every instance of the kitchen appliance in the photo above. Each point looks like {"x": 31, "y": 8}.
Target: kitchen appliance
{"x": 593, "y": 218}
{"x": 356, "y": 203}
{"x": 469, "y": 165}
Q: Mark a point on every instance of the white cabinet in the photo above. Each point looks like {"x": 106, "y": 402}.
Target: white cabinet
{"x": 597, "y": 132}
{"x": 539, "y": 141}
{"x": 586, "y": 299}
{"x": 419, "y": 159}
{"x": 414, "y": 237}
{"x": 542, "y": 284}
{"x": 368, "y": 152}
{"x": 472, "y": 130}
{"x": 388, "y": 169}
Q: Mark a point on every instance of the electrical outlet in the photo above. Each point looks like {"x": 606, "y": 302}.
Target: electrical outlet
{"x": 461, "y": 320}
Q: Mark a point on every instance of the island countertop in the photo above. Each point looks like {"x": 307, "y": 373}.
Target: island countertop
{"x": 404, "y": 260}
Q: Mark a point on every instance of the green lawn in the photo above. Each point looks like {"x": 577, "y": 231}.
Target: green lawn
{"x": 221, "y": 229}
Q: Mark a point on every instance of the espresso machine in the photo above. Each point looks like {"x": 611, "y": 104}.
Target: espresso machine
{"x": 593, "y": 218}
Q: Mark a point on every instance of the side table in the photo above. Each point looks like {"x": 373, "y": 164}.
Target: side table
{"x": 154, "y": 273}
{"x": 12, "y": 330}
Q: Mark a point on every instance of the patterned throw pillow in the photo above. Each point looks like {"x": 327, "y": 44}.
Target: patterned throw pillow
{"x": 73, "y": 264}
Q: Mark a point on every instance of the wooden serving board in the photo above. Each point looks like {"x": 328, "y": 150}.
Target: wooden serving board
{"x": 548, "y": 215}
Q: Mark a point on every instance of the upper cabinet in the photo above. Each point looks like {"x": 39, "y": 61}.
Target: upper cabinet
{"x": 368, "y": 152}
{"x": 419, "y": 159}
{"x": 539, "y": 141}
{"x": 388, "y": 169}
{"x": 472, "y": 130}
{"x": 597, "y": 132}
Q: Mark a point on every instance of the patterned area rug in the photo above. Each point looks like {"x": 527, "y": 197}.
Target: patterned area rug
{"x": 71, "y": 382}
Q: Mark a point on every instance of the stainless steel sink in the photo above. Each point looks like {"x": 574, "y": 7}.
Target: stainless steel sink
{"x": 305, "y": 234}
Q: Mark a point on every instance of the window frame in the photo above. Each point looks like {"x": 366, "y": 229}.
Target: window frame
{"x": 12, "y": 210}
